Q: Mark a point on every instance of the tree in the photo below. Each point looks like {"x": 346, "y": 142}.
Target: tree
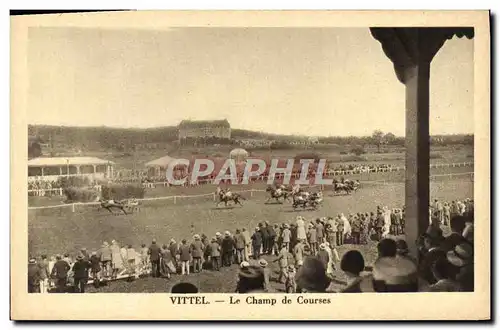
{"x": 389, "y": 138}
{"x": 378, "y": 138}
{"x": 34, "y": 150}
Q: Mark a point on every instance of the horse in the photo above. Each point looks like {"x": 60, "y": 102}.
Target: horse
{"x": 277, "y": 193}
{"x": 110, "y": 204}
{"x": 342, "y": 186}
{"x": 225, "y": 197}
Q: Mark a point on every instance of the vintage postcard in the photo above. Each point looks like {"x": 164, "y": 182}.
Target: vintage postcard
{"x": 232, "y": 165}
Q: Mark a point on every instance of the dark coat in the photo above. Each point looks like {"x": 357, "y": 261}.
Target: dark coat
{"x": 154, "y": 252}
{"x": 60, "y": 269}
{"x": 227, "y": 244}
{"x": 451, "y": 241}
{"x": 425, "y": 266}
{"x": 81, "y": 269}
{"x": 257, "y": 238}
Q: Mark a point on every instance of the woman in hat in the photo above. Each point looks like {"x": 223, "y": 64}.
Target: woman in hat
{"x": 301, "y": 229}
{"x": 352, "y": 265}
{"x": 445, "y": 274}
{"x": 311, "y": 276}
{"x": 462, "y": 257}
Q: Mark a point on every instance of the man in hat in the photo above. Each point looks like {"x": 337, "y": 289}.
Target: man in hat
{"x": 432, "y": 252}
{"x": 248, "y": 243}
{"x": 60, "y": 273}
{"x": 33, "y": 276}
{"x": 457, "y": 225}
{"x": 267, "y": 274}
{"x": 43, "y": 265}
{"x": 283, "y": 262}
{"x": 286, "y": 236}
{"x": 185, "y": 256}
{"x": 272, "y": 238}
{"x": 154, "y": 252}
{"x": 227, "y": 249}
{"x": 95, "y": 268}
{"x": 356, "y": 230}
{"x": 174, "y": 247}
{"x": 81, "y": 273}
{"x": 250, "y": 279}
{"x": 256, "y": 243}
{"x": 311, "y": 276}
{"x": 320, "y": 231}
{"x": 298, "y": 252}
{"x": 312, "y": 239}
{"x": 239, "y": 244}
{"x": 265, "y": 237}
{"x": 290, "y": 283}
{"x": 215, "y": 254}
{"x": 197, "y": 253}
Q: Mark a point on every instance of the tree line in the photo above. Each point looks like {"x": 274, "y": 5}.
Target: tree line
{"x": 126, "y": 139}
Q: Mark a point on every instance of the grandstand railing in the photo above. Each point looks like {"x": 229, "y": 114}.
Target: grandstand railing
{"x": 214, "y": 195}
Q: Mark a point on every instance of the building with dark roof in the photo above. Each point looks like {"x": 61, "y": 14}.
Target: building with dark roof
{"x": 204, "y": 129}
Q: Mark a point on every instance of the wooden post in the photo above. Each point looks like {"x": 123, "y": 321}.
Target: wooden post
{"x": 417, "y": 153}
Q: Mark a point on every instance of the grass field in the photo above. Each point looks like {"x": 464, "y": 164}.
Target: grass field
{"x": 59, "y": 230}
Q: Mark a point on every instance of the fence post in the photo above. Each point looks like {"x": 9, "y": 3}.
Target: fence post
{"x": 215, "y": 197}
{"x": 175, "y": 199}
{"x": 73, "y": 207}
{"x": 251, "y": 192}
{"x": 60, "y": 192}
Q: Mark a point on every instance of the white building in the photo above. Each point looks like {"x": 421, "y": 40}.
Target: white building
{"x": 52, "y": 168}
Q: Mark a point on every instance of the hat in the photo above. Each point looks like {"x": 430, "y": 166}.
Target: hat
{"x": 113, "y": 241}
{"x": 79, "y": 257}
{"x": 154, "y": 240}
{"x": 300, "y": 263}
{"x": 262, "y": 263}
{"x": 105, "y": 243}
{"x": 217, "y": 234}
{"x": 250, "y": 272}
{"x": 291, "y": 268}
{"x": 94, "y": 253}
{"x": 312, "y": 275}
{"x": 395, "y": 270}
{"x": 461, "y": 255}
{"x": 84, "y": 249}
{"x": 401, "y": 246}
{"x": 172, "y": 240}
{"x": 287, "y": 225}
{"x": 227, "y": 233}
{"x": 32, "y": 260}
{"x": 244, "y": 264}
{"x": 322, "y": 246}
{"x": 196, "y": 236}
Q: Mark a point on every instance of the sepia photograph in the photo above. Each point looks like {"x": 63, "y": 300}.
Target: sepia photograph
{"x": 251, "y": 161}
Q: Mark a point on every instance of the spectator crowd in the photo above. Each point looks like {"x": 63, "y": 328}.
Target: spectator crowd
{"x": 306, "y": 253}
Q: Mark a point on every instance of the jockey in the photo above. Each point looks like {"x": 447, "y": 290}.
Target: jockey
{"x": 229, "y": 193}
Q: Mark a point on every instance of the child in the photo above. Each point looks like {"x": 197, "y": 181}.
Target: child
{"x": 290, "y": 285}
{"x": 95, "y": 268}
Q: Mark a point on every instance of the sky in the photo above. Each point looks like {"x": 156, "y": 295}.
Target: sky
{"x": 307, "y": 81}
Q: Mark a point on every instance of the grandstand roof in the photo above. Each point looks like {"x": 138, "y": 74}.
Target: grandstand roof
{"x": 58, "y": 161}
{"x": 160, "y": 162}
